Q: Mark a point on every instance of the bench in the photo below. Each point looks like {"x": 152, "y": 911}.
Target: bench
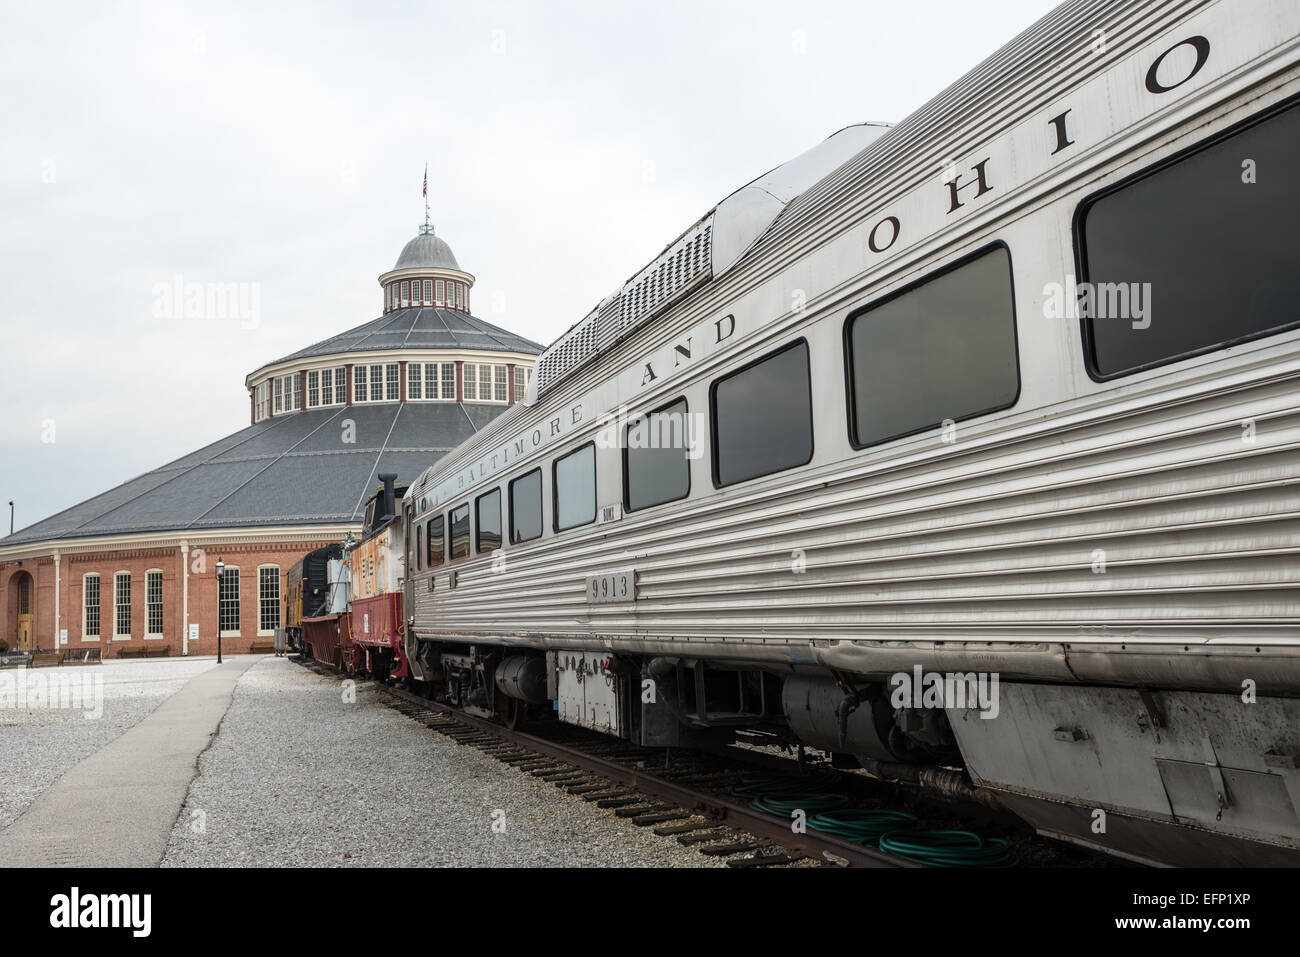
{"x": 82, "y": 656}
{"x": 145, "y": 651}
{"x": 45, "y": 659}
{"x": 261, "y": 647}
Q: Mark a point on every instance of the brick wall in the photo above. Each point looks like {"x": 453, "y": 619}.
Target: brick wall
{"x": 202, "y": 588}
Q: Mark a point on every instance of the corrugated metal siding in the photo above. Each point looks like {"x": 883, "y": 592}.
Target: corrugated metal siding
{"x": 998, "y": 537}
{"x": 992, "y": 539}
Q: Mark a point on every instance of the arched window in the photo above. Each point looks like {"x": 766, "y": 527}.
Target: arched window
{"x": 228, "y": 602}
{"x": 90, "y": 606}
{"x": 153, "y": 603}
{"x": 268, "y": 599}
{"x": 122, "y": 605}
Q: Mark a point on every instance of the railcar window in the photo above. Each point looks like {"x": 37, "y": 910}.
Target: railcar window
{"x": 944, "y": 350}
{"x": 458, "y": 521}
{"x": 574, "y": 481}
{"x": 435, "y": 543}
{"x": 1194, "y": 255}
{"x": 762, "y": 417}
{"x": 487, "y": 528}
{"x": 526, "y": 507}
{"x": 419, "y": 546}
{"x": 656, "y": 463}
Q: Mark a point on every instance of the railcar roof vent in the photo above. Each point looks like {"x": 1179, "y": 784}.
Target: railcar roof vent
{"x": 569, "y": 351}
{"x": 679, "y": 267}
{"x": 714, "y": 244}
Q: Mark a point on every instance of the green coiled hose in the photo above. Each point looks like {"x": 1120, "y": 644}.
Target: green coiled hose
{"x": 893, "y": 832}
{"x": 782, "y": 795}
{"x": 861, "y": 826}
{"x": 756, "y": 785}
{"x": 948, "y": 848}
{"x": 786, "y": 804}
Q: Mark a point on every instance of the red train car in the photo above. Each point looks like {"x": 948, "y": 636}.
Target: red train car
{"x": 325, "y": 639}
{"x": 375, "y": 624}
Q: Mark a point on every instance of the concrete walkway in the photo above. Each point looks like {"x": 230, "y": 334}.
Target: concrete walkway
{"x": 117, "y": 807}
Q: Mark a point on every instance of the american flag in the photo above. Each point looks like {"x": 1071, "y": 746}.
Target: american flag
{"x": 426, "y": 179}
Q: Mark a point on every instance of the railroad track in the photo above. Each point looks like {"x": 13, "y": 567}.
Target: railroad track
{"x": 681, "y": 802}
{"x": 689, "y": 799}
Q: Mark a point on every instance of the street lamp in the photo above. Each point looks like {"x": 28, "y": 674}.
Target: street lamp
{"x": 221, "y": 570}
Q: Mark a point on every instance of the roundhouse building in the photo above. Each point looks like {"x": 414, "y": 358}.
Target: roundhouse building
{"x": 135, "y": 567}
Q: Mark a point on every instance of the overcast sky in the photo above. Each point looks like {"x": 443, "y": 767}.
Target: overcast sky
{"x": 283, "y": 145}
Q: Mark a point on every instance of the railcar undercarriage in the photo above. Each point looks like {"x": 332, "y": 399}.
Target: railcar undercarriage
{"x": 1161, "y": 777}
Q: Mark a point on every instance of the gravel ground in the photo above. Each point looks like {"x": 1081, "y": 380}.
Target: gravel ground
{"x": 38, "y": 744}
{"x": 297, "y": 777}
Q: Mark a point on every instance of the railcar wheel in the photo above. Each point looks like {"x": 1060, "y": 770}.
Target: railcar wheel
{"x": 516, "y": 713}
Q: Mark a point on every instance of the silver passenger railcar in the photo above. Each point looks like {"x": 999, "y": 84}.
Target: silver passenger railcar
{"x": 966, "y": 448}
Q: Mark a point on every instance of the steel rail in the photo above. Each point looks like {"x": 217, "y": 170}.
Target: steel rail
{"x": 719, "y": 810}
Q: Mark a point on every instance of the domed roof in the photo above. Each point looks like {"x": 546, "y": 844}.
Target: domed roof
{"x": 417, "y": 328}
{"x": 426, "y": 251}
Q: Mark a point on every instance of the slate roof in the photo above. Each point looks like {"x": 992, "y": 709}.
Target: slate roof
{"x": 293, "y": 469}
{"x": 419, "y": 328}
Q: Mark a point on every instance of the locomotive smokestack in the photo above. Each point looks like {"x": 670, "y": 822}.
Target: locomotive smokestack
{"x": 388, "y": 500}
